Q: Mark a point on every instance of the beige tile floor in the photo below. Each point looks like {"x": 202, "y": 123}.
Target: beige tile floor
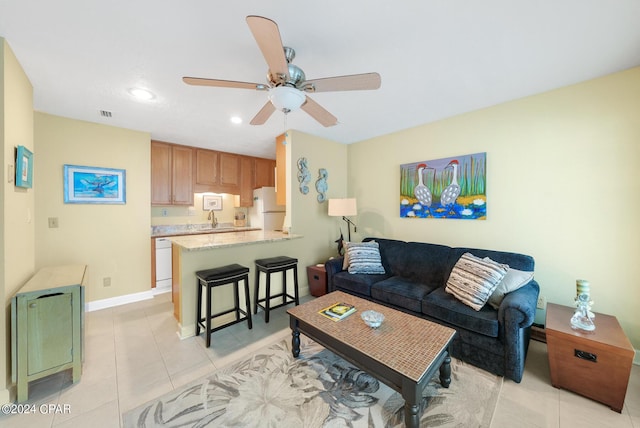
{"x": 133, "y": 354}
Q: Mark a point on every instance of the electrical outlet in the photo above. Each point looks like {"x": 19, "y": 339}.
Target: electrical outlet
{"x": 542, "y": 302}
{"x": 164, "y": 212}
{"x": 53, "y": 222}
{"x": 106, "y": 281}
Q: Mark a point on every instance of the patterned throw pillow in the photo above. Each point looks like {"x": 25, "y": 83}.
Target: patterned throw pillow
{"x": 513, "y": 280}
{"x": 345, "y": 260}
{"x": 472, "y": 280}
{"x": 364, "y": 257}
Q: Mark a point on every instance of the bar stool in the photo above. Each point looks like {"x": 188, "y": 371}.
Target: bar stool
{"x": 269, "y": 266}
{"x": 216, "y": 277}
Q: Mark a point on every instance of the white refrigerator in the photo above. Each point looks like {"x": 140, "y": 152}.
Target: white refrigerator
{"x": 265, "y": 213}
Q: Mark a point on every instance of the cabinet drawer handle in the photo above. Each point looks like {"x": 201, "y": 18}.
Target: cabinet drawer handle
{"x": 585, "y": 355}
{"x": 316, "y": 277}
{"x": 32, "y": 305}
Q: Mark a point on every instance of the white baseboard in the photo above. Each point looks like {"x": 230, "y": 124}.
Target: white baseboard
{"x": 6, "y": 395}
{"x": 186, "y": 332}
{"x": 117, "y": 301}
{"x": 161, "y": 290}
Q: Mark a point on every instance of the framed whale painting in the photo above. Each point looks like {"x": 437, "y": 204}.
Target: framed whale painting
{"x": 94, "y": 185}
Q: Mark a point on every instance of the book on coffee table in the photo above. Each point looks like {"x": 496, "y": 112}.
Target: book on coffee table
{"x": 338, "y": 311}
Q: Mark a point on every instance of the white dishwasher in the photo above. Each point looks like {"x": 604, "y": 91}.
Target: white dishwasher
{"x": 163, "y": 265}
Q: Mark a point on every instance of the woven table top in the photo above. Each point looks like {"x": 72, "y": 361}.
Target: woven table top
{"x": 405, "y": 343}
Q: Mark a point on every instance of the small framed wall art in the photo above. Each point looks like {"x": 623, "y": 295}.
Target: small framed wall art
{"x": 94, "y": 185}
{"x": 24, "y": 167}
{"x": 212, "y": 202}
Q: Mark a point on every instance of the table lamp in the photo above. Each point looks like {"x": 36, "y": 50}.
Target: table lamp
{"x": 343, "y": 208}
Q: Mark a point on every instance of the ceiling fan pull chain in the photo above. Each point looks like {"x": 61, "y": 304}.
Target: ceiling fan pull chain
{"x": 285, "y": 123}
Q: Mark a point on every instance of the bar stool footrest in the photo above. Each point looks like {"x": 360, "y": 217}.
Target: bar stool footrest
{"x": 290, "y": 299}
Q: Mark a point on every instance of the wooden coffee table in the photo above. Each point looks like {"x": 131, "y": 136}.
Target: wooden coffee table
{"x": 404, "y": 352}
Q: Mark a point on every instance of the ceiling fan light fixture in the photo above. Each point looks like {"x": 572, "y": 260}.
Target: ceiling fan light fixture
{"x": 286, "y": 98}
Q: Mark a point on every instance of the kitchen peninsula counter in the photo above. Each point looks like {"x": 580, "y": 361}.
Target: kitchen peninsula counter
{"x": 192, "y": 253}
{"x": 210, "y": 241}
{"x": 167, "y": 231}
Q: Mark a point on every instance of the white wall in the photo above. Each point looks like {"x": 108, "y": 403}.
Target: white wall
{"x": 562, "y": 185}
{"x": 113, "y": 240}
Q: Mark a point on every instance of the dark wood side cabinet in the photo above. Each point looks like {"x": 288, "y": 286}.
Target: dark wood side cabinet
{"x": 594, "y": 364}
{"x": 317, "y": 276}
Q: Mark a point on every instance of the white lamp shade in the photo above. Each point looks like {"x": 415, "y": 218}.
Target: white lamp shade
{"x": 286, "y": 98}
{"x": 342, "y": 207}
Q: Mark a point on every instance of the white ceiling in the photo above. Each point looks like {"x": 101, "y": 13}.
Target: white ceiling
{"x": 437, "y": 59}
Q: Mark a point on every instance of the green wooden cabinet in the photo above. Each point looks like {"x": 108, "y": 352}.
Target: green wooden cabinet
{"x": 47, "y": 325}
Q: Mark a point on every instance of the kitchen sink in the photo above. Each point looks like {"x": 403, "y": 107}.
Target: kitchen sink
{"x": 217, "y": 229}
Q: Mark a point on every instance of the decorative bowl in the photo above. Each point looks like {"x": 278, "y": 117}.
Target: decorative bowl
{"x": 372, "y": 318}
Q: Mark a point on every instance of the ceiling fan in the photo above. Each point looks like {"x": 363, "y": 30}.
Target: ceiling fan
{"x": 286, "y": 82}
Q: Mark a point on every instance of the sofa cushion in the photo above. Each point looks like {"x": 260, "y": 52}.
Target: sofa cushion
{"x": 514, "y": 260}
{"x": 400, "y": 292}
{"x": 473, "y": 280}
{"x": 513, "y": 280}
{"x": 364, "y": 257}
{"x": 444, "y": 306}
{"x": 356, "y": 283}
{"x": 415, "y": 261}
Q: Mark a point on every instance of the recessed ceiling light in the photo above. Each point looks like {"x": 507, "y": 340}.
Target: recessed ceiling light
{"x": 142, "y": 94}
{"x": 236, "y": 119}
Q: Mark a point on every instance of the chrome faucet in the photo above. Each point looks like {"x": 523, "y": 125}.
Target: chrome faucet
{"x": 212, "y": 217}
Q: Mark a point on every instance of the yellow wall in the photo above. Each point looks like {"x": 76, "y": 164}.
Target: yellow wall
{"x": 308, "y": 216}
{"x": 562, "y": 185}
{"x": 17, "y": 219}
{"x": 113, "y": 240}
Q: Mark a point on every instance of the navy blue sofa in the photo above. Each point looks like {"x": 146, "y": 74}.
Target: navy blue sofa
{"x": 414, "y": 282}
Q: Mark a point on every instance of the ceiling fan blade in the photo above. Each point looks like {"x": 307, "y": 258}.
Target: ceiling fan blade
{"x": 267, "y": 35}
{"x": 265, "y": 113}
{"x": 354, "y": 82}
{"x": 197, "y": 81}
{"x": 319, "y": 113}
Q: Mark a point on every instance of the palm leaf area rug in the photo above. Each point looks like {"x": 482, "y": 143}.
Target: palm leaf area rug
{"x": 270, "y": 388}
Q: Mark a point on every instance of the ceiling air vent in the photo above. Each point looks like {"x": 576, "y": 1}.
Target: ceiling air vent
{"x": 105, "y": 113}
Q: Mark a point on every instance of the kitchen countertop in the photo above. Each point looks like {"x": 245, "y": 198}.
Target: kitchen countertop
{"x": 210, "y": 241}
{"x": 164, "y": 231}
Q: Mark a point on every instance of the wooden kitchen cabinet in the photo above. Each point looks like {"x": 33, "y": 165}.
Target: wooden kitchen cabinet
{"x": 207, "y": 170}
{"x": 229, "y": 173}
{"x": 171, "y": 174}
{"x": 281, "y": 168}
{"x": 182, "y": 175}
{"x": 177, "y": 172}
{"x": 160, "y": 173}
{"x": 265, "y": 173}
{"x": 247, "y": 181}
